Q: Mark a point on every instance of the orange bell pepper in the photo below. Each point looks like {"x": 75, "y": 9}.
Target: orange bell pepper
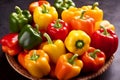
{"x": 21, "y": 58}
{"x": 69, "y": 13}
{"x": 68, "y": 66}
{"x": 94, "y": 11}
{"x": 83, "y": 22}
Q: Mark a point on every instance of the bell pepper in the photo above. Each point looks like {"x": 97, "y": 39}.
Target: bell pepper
{"x": 35, "y": 4}
{"x": 62, "y": 5}
{"x": 10, "y": 44}
{"x": 21, "y": 58}
{"x": 19, "y": 19}
{"x": 29, "y": 38}
{"x": 69, "y": 13}
{"x": 77, "y": 42}
{"x": 44, "y": 15}
{"x": 104, "y": 23}
{"x": 68, "y": 66}
{"x": 54, "y": 49}
{"x": 58, "y": 29}
{"x": 83, "y": 22}
{"x": 93, "y": 59}
{"x": 94, "y": 11}
{"x": 37, "y": 63}
{"x": 106, "y": 40}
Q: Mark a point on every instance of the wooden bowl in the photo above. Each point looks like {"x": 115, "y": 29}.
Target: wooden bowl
{"x": 17, "y": 67}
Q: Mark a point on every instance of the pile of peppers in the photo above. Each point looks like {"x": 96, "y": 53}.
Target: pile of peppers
{"x": 60, "y": 41}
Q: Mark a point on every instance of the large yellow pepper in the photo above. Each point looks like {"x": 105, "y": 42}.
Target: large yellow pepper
{"x": 44, "y": 15}
{"x": 37, "y": 63}
{"x": 54, "y": 49}
{"x": 69, "y": 13}
{"x": 77, "y": 42}
{"x": 93, "y": 11}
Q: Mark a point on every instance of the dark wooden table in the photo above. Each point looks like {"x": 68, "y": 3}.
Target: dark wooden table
{"x": 111, "y": 12}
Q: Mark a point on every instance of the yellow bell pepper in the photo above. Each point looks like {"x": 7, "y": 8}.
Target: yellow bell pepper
{"x": 104, "y": 23}
{"x": 44, "y": 15}
{"x": 37, "y": 63}
{"x": 54, "y": 49}
{"x": 77, "y": 42}
{"x": 69, "y": 13}
{"x": 94, "y": 11}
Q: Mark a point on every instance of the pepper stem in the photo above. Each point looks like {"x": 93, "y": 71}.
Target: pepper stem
{"x": 105, "y": 31}
{"x": 93, "y": 54}
{"x": 71, "y": 60}
{"x": 48, "y": 38}
{"x": 95, "y": 5}
{"x": 82, "y": 14}
{"x": 44, "y": 9}
{"x": 34, "y": 56}
{"x": 18, "y": 10}
{"x": 57, "y": 24}
{"x": 79, "y": 44}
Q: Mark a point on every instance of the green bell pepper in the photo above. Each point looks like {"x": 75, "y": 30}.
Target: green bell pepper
{"x": 19, "y": 19}
{"x": 29, "y": 38}
{"x": 61, "y": 5}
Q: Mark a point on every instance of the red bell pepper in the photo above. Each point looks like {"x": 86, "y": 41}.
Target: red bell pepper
{"x": 35, "y": 4}
{"x": 106, "y": 40}
{"x": 10, "y": 44}
{"x": 58, "y": 29}
{"x": 93, "y": 60}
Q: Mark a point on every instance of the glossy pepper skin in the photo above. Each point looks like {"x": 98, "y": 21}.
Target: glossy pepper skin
{"x": 35, "y": 4}
{"x": 58, "y": 29}
{"x": 106, "y": 40}
{"x": 10, "y": 44}
{"x": 69, "y": 13}
{"x": 93, "y": 59}
{"x": 54, "y": 49}
{"x": 68, "y": 66}
{"x": 62, "y": 5}
{"x": 44, "y": 15}
{"x": 104, "y": 23}
{"x": 94, "y": 11}
{"x": 37, "y": 63}
{"x": 77, "y": 42}
{"x": 83, "y": 22}
{"x": 19, "y": 19}
{"x": 29, "y": 38}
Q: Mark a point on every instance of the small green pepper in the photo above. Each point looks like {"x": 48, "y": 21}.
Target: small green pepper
{"x": 61, "y": 5}
{"x": 19, "y": 19}
{"x": 29, "y": 38}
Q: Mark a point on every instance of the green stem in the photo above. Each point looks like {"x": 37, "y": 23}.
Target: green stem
{"x": 44, "y": 9}
{"x": 95, "y": 5}
{"x": 79, "y": 44}
{"x": 82, "y": 14}
{"x": 93, "y": 54}
{"x": 34, "y": 57}
{"x": 71, "y": 60}
{"x": 105, "y": 31}
{"x": 18, "y": 10}
{"x": 48, "y": 38}
{"x": 57, "y": 24}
